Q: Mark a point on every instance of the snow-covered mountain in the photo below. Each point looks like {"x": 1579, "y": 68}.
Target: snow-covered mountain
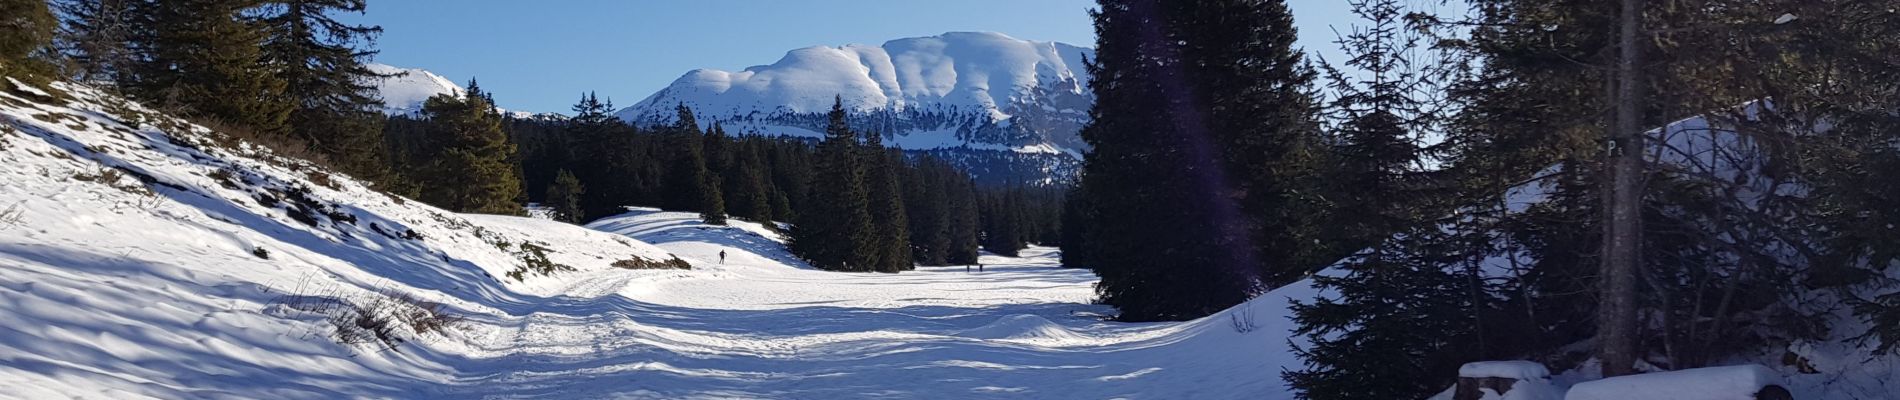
{"x": 405, "y": 90}
{"x": 960, "y": 94}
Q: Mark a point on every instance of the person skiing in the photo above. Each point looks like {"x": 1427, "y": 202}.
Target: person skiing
{"x": 722, "y": 257}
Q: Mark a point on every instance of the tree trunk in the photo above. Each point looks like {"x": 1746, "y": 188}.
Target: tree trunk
{"x": 1616, "y": 310}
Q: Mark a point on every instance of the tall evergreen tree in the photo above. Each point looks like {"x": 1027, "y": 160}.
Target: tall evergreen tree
{"x": 207, "y": 58}
{"x": 564, "y": 196}
{"x": 323, "y": 63}
{"x": 1202, "y": 170}
{"x": 833, "y": 230}
{"x": 748, "y": 191}
{"x": 712, "y": 202}
{"x": 97, "y": 35}
{"x": 470, "y": 171}
{"x": 890, "y": 224}
{"x": 1379, "y": 119}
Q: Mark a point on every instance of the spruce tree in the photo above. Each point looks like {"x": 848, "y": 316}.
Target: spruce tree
{"x": 97, "y": 36}
{"x": 965, "y": 225}
{"x": 833, "y": 230}
{"x": 748, "y": 190}
{"x": 1379, "y": 119}
{"x": 890, "y": 224}
{"x": 323, "y": 63}
{"x": 686, "y": 183}
{"x": 207, "y": 58}
{"x": 712, "y": 202}
{"x": 470, "y": 172}
{"x": 1201, "y": 176}
{"x": 564, "y": 196}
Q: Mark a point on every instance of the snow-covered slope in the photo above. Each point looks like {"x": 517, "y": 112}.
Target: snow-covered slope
{"x": 141, "y": 257}
{"x": 406, "y": 89}
{"x": 960, "y": 91}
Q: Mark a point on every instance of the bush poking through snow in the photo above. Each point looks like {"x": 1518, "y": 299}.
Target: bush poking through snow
{"x": 111, "y": 177}
{"x": 384, "y": 318}
{"x": 638, "y": 262}
{"x": 534, "y": 258}
{"x": 260, "y": 252}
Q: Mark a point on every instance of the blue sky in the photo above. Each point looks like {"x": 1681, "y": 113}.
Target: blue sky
{"x": 540, "y": 55}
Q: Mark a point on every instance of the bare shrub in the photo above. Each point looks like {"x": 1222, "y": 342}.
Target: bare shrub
{"x": 383, "y": 318}
{"x": 113, "y": 178}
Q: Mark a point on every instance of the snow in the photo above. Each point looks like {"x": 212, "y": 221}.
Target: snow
{"x": 978, "y": 69}
{"x": 113, "y": 287}
{"x": 405, "y": 91}
{"x": 28, "y": 89}
{"x": 1739, "y": 382}
{"x": 116, "y": 288}
{"x": 1520, "y": 370}
{"x": 407, "y": 88}
{"x": 968, "y": 79}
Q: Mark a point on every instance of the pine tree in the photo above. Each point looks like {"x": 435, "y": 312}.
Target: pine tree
{"x": 748, "y": 190}
{"x": 891, "y": 226}
{"x": 833, "y": 230}
{"x": 965, "y": 225}
{"x": 711, "y": 197}
{"x": 1379, "y": 120}
{"x": 470, "y": 172}
{"x": 564, "y": 196}
{"x": 97, "y": 36}
{"x": 206, "y": 57}
{"x": 323, "y": 63}
{"x": 1202, "y": 168}
{"x": 686, "y": 182}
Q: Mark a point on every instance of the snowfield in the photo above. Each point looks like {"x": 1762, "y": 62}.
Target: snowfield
{"x": 145, "y": 258}
{"x": 153, "y": 259}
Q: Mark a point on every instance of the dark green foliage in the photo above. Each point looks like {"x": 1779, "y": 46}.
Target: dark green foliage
{"x": 833, "y": 231}
{"x": 469, "y": 168}
{"x": 25, "y": 26}
{"x": 890, "y": 224}
{"x": 207, "y": 58}
{"x": 638, "y": 262}
{"x": 97, "y": 36}
{"x": 712, "y": 200}
{"x": 1717, "y": 258}
{"x": 1199, "y": 186}
{"x": 1397, "y": 325}
{"x": 1014, "y": 218}
{"x": 564, "y": 197}
{"x": 323, "y": 63}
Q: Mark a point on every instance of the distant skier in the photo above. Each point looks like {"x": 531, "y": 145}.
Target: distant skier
{"x": 722, "y": 257}
{"x": 979, "y": 267}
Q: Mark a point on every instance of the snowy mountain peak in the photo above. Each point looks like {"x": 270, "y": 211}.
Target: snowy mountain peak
{"x": 969, "y": 69}
{"x": 981, "y": 92}
{"x": 407, "y": 88}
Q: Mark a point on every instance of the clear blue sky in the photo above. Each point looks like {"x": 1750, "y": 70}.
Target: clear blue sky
{"x": 540, "y": 55}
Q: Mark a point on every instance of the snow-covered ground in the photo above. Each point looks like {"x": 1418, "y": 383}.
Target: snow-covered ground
{"x": 151, "y": 259}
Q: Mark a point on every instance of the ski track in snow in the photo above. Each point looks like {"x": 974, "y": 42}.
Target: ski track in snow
{"x": 109, "y": 291}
